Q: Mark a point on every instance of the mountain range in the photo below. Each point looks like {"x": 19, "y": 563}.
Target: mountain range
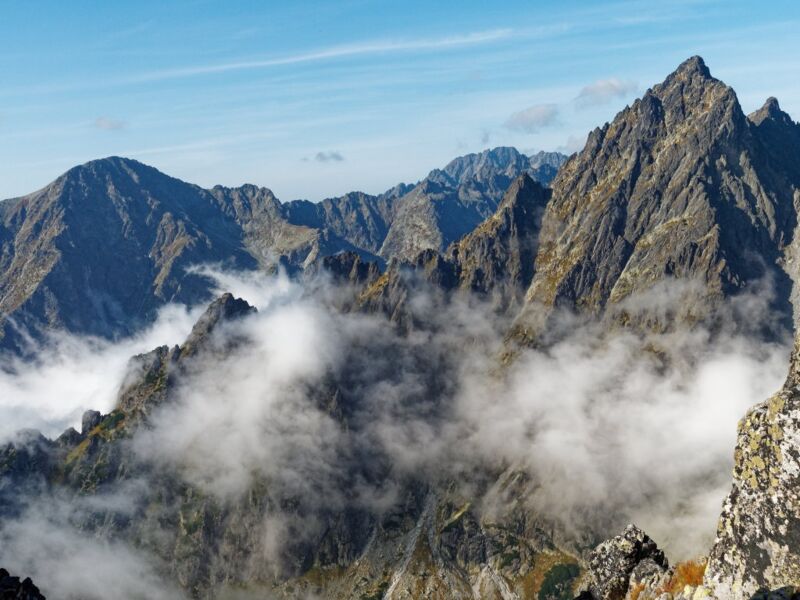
{"x": 101, "y": 248}
{"x": 679, "y": 216}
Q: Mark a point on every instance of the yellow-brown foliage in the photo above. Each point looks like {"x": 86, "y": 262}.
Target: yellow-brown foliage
{"x": 636, "y": 590}
{"x": 686, "y": 573}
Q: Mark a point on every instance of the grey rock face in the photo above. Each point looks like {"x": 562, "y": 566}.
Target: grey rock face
{"x": 681, "y": 185}
{"x": 615, "y": 561}
{"x": 758, "y": 536}
{"x": 90, "y": 420}
{"x": 11, "y": 588}
{"x": 498, "y": 256}
{"x": 451, "y": 202}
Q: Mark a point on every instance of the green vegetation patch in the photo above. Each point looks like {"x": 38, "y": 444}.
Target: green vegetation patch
{"x": 557, "y": 584}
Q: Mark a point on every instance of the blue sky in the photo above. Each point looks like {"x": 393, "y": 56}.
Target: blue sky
{"x": 313, "y": 99}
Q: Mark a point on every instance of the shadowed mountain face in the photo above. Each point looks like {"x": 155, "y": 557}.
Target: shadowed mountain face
{"x": 451, "y": 202}
{"x": 494, "y": 262}
{"x": 105, "y": 244}
{"x": 102, "y": 247}
{"x": 680, "y": 185}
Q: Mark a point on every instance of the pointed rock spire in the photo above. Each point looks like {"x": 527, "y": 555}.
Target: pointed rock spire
{"x": 770, "y": 110}
{"x": 694, "y": 66}
{"x": 224, "y": 308}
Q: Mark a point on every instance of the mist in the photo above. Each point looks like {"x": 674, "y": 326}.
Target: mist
{"x": 71, "y": 374}
{"x": 340, "y": 410}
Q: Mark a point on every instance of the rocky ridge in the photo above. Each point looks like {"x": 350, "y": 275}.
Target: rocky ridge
{"x": 56, "y": 271}
{"x": 433, "y": 543}
{"x": 680, "y": 185}
{"x": 451, "y": 202}
{"x": 759, "y": 529}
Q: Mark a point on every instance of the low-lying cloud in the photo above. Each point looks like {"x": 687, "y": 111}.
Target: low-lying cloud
{"x": 66, "y": 562}
{"x": 71, "y": 374}
{"x": 326, "y": 411}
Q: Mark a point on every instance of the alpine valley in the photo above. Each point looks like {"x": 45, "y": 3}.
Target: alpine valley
{"x": 488, "y": 384}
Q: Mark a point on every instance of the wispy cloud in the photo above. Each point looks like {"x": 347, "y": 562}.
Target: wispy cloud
{"x": 604, "y": 91}
{"x": 348, "y": 50}
{"x": 332, "y": 156}
{"x": 533, "y": 118}
{"x": 108, "y": 124}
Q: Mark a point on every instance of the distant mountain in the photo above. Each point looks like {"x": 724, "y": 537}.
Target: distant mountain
{"x": 107, "y": 243}
{"x": 451, "y": 202}
{"x": 99, "y": 249}
{"x": 495, "y": 261}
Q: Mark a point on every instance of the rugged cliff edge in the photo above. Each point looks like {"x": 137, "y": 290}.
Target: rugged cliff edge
{"x": 758, "y": 539}
{"x": 681, "y": 185}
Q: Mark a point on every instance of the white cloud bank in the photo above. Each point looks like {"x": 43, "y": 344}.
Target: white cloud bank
{"x": 610, "y": 428}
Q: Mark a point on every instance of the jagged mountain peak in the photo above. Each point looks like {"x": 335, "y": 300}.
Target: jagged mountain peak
{"x": 517, "y": 189}
{"x": 500, "y": 155}
{"x": 693, "y": 66}
{"x": 771, "y": 110}
{"x": 112, "y": 167}
{"x": 691, "y": 90}
{"x": 678, "y": 185}
{"x": 225, "y": 309}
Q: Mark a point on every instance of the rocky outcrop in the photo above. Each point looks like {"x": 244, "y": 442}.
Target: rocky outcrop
{"x": 681, "y": 185}
{"x": 612, "y": 565}
{"x": 11, "y": 588}
{"x": 758, "y": 537}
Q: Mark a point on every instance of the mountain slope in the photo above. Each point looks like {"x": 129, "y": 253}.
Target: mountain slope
{"x": 451, "y": 202}
{"x": 106, "y": 244}
{"x": 101, "y": 247}
{"x": 681, "y": 185}
{"x": 422, "y": 541}
{"x": 495, "y": 261}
